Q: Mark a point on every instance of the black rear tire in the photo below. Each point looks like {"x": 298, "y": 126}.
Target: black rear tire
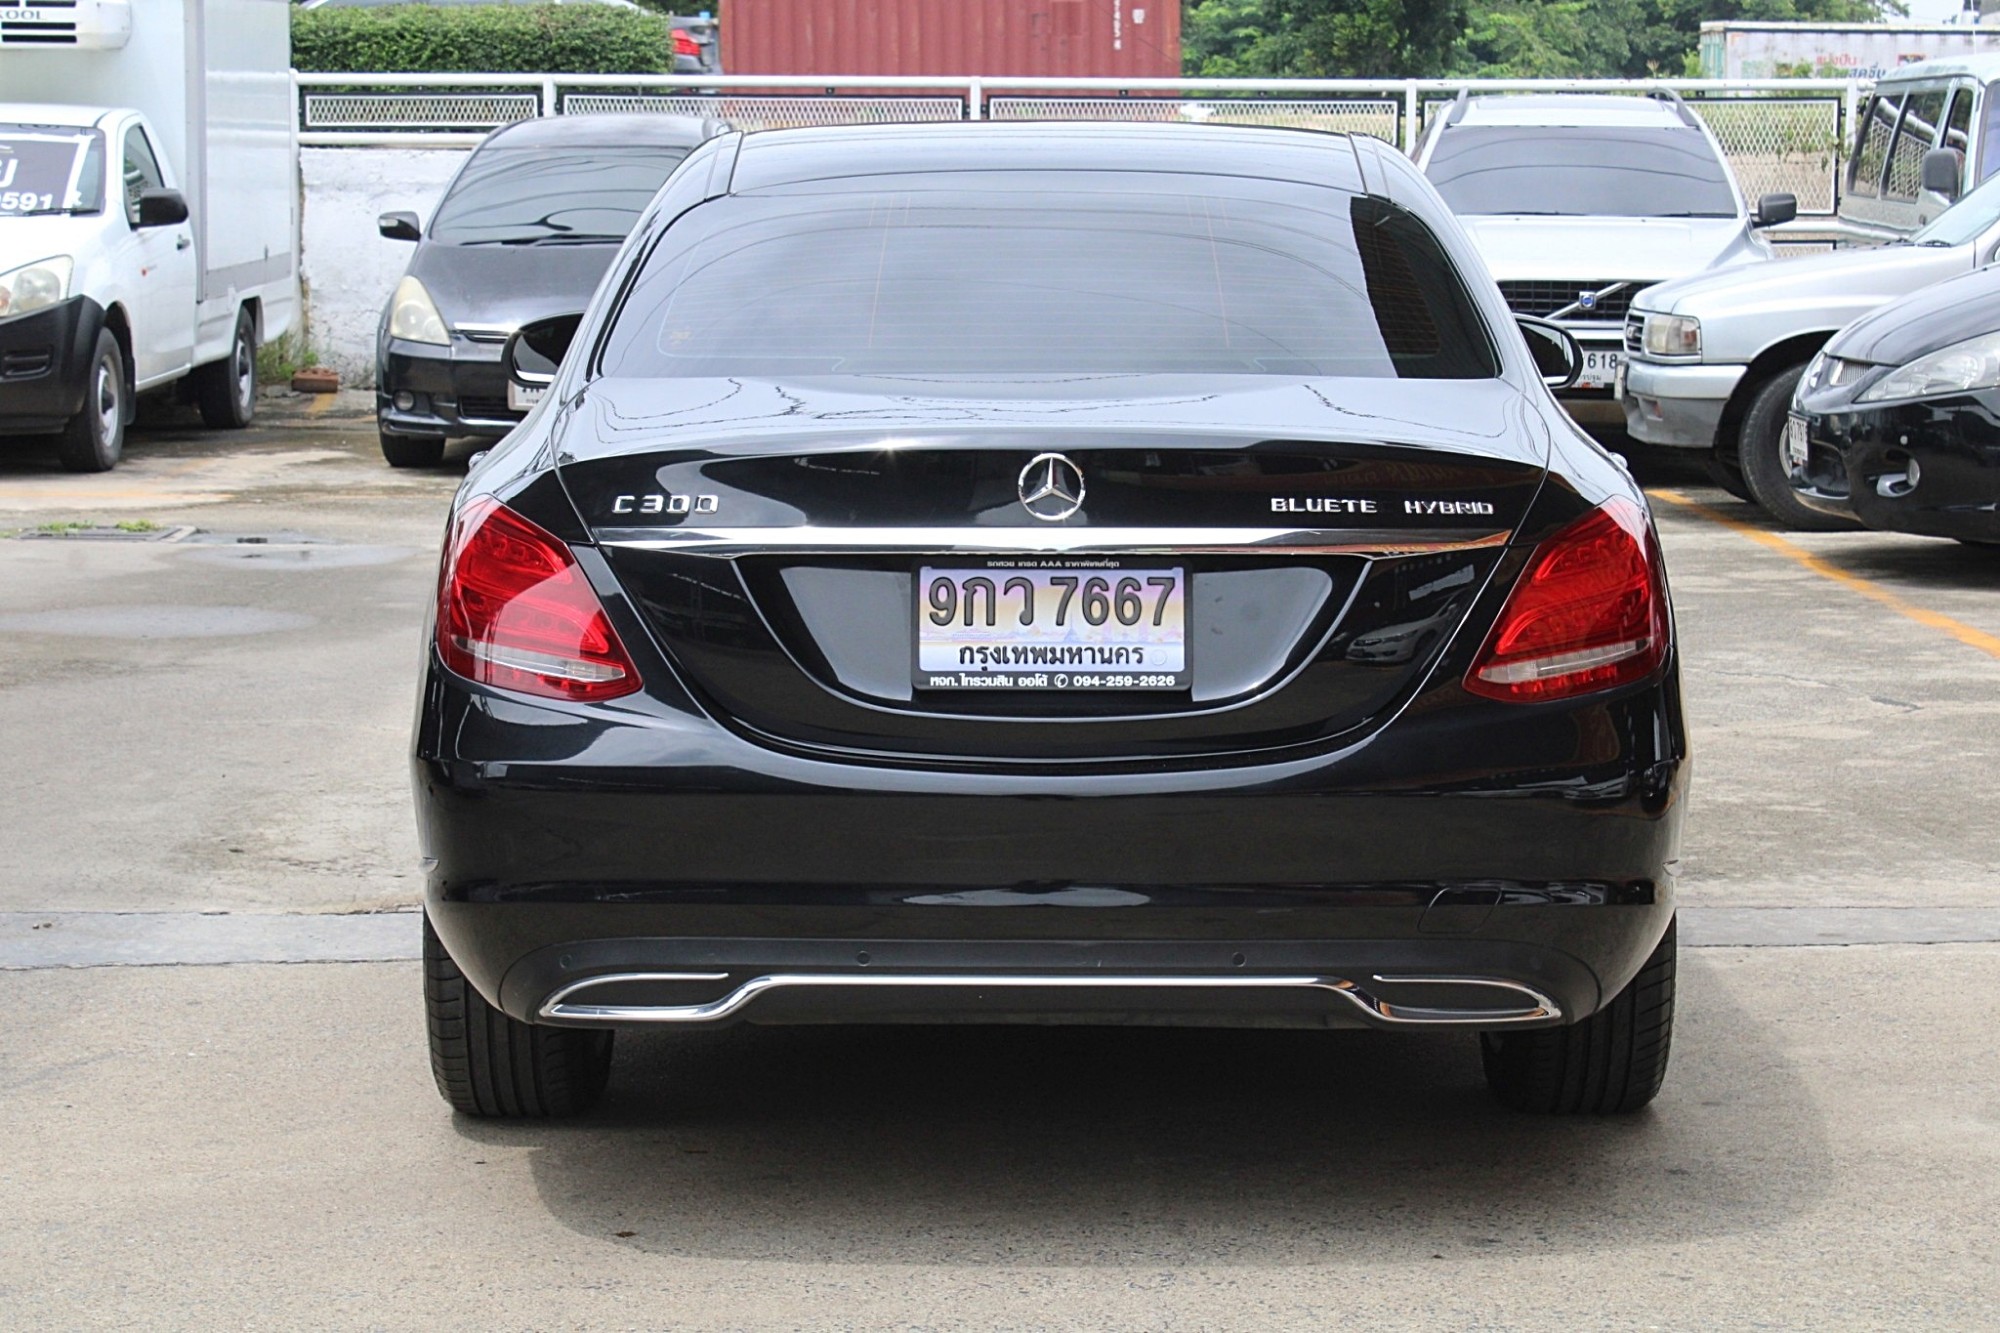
{"x": 488, "y": 1064}
{"x": 94, "y": 439}
{"x": 226, "y": 390}
{"x": 1760, "y": 450}
{"x": 412, "y": 450}
{"x": 1611, "y": 1063}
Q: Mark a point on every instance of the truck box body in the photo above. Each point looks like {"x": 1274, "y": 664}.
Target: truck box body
{"x": 1052, "y": 38}
{"x": 214, "y": 78}
{"x": 1731, "y": 50}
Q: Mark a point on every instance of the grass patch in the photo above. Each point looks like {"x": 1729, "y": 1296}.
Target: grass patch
{"x": 283, "y": 356}
{"x": 138, "y": 525}
{"x": 58, "y": 529}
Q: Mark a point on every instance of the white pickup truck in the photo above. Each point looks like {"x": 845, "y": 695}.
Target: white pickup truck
{"x": 148, "y": 163}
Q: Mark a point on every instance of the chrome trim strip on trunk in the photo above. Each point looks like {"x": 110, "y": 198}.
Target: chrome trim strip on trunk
{"x": 1536, "y": 1009}
{"x": 1056, "y": 541}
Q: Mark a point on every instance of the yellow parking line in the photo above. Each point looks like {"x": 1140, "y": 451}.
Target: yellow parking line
{"x": 320, "y": 402}
{"x": 1958, "y": 629}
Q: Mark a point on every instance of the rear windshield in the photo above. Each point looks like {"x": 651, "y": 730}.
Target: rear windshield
{"x": 1049, "y": 273}
{"x": 548, "y": 195}
{"x": 1616, "y": 171}
{"x": 45, "y": 169}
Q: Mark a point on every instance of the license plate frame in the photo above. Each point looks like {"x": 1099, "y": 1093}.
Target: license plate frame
{"x": 1798, "y": 441}
{"x": 971, "y": 637}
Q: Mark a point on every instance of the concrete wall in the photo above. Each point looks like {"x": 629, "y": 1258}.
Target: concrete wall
{"x": 347, "y": 268}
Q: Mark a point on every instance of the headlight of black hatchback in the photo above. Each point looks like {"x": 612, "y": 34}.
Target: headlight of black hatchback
{"x": 1959, "y": 368}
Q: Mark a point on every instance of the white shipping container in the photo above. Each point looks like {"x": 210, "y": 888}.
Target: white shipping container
{"x": 1732, "y": 50}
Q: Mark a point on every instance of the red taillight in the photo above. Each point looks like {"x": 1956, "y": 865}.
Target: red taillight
{"x": 1589, "y": 613}
{"x": 685, "y": 45}
{"x": 515, "y": 611}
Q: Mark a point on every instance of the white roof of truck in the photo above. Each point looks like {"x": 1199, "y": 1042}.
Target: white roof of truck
{"x": 1981, "y": 67}
{"x": 52, "y": 113}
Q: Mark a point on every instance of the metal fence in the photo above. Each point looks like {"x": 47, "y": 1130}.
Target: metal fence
{"x": 1777, "y": 134}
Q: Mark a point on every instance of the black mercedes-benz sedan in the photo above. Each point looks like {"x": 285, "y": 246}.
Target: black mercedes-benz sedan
{"x": 1048, "y": 574}
{"x": 1897, "y": 421}
{"x": 524, "y": 231}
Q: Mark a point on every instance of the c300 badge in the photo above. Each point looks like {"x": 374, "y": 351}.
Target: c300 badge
{"x": 660, "y": 502}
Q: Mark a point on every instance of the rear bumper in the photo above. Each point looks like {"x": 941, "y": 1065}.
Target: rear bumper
{"x": 459, "y": 390}
{"x": 45, "y": 360}
{"x": 1678, "y": 406}
{"x": 569, "y": 846}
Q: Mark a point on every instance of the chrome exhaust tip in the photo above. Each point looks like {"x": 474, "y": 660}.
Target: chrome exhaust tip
{"x": 1518, "y": 1003}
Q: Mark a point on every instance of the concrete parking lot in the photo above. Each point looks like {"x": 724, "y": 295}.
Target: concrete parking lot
{"x": 215, "y": 1107}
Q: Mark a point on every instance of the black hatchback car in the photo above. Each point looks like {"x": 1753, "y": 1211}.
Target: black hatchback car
{"x": 1048, "y": 574}
{"x": 524, "y": 231}
{"x": 1897, "y": 420}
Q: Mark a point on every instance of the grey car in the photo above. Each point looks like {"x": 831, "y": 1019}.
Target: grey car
{"x": 1712, "y": 361}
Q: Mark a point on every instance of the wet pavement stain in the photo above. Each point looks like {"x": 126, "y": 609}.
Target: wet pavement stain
{"x": 154, "y": 622}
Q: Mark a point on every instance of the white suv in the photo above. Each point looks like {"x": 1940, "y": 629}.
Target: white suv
{"x": 1577, "y": 201}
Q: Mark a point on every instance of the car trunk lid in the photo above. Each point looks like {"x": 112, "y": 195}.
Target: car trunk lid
{"x": 776, "y": 540}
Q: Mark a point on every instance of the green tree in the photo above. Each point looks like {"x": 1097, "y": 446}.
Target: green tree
{"x": 1484, "y": 38}
{"x": 1320, "y": 38}
{"x": 1549, "y": 39}
{"x": 1623, "y": 38}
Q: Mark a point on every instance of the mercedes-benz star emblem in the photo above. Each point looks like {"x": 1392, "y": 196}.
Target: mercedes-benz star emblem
{"x": 1051, "y": 487}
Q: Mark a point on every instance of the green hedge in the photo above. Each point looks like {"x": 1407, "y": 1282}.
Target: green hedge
{"x": 505, "y": 39}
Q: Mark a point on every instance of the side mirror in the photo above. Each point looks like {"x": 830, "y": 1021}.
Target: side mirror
{"x": 400, "y": 226}
{"x": 535, "y": 351}
{"x": 162, "y": 208}
{"x": 1941, "y": 171}
{"x": 1558, "y": 359}
{"x": 1773, "y": 209}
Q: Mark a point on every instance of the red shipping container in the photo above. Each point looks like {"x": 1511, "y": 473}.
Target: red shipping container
{"x": 1134, "y": 39}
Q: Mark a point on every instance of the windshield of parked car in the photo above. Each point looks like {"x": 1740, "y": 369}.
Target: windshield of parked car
{"x": 50, "y": 169}
{"x": 1603, "y": 171}
{"x": 1964, "y": 220}
{"x": 552, "y": 194}
{"x": 1049, "y": 273}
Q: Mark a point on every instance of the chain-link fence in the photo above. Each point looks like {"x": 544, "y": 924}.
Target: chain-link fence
{"x": 772, "y": 113}
{"x": 414, "y": 110}
{"x": 1777, "y": 135}
{"x": 1782, "y": 145}
{"x": 1379, "y": 117}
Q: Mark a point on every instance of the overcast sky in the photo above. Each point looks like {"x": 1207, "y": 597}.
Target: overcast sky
{"x": 1933, "y": 11}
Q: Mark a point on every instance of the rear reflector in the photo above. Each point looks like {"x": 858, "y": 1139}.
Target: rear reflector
{"x": 1590, "y": 613}
{"x": 515, "y": 611}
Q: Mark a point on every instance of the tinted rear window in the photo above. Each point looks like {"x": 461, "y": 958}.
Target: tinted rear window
{"x": 1076, "y": 273}
{"x": 1596, "y": 172}
{"x": 522, "y": 196}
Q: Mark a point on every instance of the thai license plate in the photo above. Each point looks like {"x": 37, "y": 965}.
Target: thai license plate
{"x": 1055, "y": 624}
{"x": 1600, "y": 369}
{"x": 1795, "y": 442}
{"x": 522, "y": 397}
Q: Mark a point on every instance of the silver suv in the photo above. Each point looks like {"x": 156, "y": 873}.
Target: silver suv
{"x": 1712, "y": 360}
{"x": 1577, "y": 201}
